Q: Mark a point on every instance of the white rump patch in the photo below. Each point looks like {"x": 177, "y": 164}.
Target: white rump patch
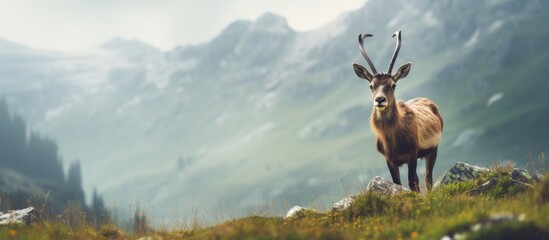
{"x": 432, "y": 141}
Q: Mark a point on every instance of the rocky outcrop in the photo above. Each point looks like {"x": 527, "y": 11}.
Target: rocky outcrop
{"x": 526, "y": 176}
{"x": 519, "y": 179}
{"x": 462, "y": 172}
{"x": 294, "y": 211}
{"x": 344, "y": 203}
{"x": 298, "y": 211}
{"x": 376, "y": 185}
{"x": 22, "y": 216}
{"x": 384, "y": 186}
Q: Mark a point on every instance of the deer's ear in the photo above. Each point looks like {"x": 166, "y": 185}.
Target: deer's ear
{"x": 402, "y": 71}
{"x": 361, "y": 72}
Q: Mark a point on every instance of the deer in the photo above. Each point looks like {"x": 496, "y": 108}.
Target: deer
{"x": 404, "y": 131}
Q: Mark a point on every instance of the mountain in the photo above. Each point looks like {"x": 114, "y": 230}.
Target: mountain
{"x": 263, "y": 114}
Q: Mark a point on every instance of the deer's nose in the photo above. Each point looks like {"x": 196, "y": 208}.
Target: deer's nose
{"x": 380, "y": 99}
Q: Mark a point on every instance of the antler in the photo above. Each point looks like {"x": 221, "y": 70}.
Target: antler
{"x": 397, "y": 33}
{"x": 361, "y": 38}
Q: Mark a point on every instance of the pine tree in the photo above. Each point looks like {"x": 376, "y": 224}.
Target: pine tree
{"x": 74, "y": 179}
{"x": 99, "y": 213}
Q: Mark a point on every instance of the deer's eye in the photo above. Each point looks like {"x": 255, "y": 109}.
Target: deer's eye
{"x": 371, "y": 87}
{"x": 393, "y": 86}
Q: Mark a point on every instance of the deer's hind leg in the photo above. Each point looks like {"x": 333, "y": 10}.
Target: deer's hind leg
{"x": 430, "y": 160}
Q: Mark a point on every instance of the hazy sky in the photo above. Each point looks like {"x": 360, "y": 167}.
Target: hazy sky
{"x": 74, "y": 25}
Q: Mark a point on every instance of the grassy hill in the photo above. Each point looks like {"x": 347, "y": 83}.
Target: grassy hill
{"x": 452, "y": 210}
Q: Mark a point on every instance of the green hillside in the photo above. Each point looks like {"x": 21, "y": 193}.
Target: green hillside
{"x": 451, "y": 211}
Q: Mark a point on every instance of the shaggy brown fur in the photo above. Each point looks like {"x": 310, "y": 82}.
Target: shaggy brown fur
{"x": 404, "y": 131}
{"x": 401, "y": 130}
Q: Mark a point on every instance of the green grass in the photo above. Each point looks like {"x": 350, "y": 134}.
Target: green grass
{"x": 448, "y": 209}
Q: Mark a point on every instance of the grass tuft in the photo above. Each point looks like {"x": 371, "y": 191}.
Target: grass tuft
{"x": 110, "y": 232}
{"x": 453, "y": 189}
{"x": 505, "y": 168}
{"x": 542, "y": 191}
{"x": 369, "y": 204}
{"x": 307, "y": 213}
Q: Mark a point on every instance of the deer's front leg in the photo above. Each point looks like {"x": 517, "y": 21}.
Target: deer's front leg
{"x": 393, "y": 168}
{"x": 413, "y": 180}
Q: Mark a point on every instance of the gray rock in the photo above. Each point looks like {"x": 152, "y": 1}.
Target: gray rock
{"x": 526, "y": 176}
{"x": 21, "y": 216}
{"x": 344, "y": 203}
{"x": 462, "y": 172}
{"x": 296, "y": 210}
{"x": 376, "y": 185}
{"x": 384, "y": 186}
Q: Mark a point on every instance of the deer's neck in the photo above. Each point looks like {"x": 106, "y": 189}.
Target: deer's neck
{"x": 386, "y": 119}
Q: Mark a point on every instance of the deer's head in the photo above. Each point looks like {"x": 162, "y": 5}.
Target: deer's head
{"x": 382, "y": 85}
